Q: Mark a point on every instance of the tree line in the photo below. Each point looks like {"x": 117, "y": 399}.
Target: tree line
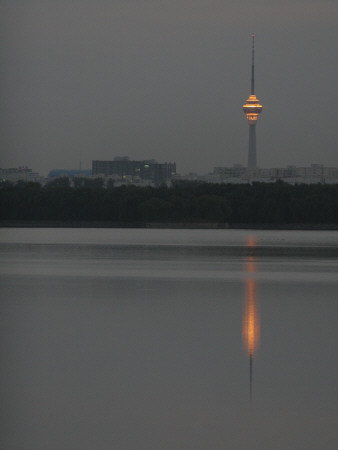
{"x": 256, "y": 203}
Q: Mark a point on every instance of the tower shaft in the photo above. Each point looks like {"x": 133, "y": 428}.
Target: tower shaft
{"x": 251, "y": 373}
{"x": 252, "y": 158}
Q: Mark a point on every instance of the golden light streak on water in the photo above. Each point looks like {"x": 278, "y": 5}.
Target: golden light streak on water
{"x": 251, "y": 325}
{"x": 251, "y": 322}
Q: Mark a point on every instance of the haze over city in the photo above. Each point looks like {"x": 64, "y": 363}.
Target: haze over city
{"x": 86, "y": 80}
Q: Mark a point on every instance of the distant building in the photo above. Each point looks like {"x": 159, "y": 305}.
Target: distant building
{"x": 230, "y": 172}
{"x": 316, "y": 173}
{"x": 135, "y": 171}
{"x": 22, "y": 173}
{"x": 54, "y": 173}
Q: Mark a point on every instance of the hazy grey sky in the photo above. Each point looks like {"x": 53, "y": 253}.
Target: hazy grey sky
{"x": 94, "y": 79}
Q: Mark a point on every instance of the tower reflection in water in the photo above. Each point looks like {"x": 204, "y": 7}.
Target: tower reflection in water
{"x": 251, "y": 325}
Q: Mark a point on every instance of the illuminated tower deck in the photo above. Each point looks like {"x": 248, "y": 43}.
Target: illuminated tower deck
{"x": 252, "y": 109}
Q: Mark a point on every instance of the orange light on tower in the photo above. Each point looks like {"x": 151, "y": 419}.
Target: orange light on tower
{"x": 252, "y": 109}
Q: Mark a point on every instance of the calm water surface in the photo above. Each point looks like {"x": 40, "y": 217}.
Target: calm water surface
{"x": 143, "y": 339}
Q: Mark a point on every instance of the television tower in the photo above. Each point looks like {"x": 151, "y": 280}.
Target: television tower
{"x": 252, "y": 109}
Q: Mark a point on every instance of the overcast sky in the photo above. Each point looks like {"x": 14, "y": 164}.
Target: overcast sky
{"x": 166, "y": 79}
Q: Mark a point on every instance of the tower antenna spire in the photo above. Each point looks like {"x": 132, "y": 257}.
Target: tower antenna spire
{"x": 253, "y": 66}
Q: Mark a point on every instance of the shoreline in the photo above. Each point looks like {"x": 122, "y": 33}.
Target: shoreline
{"x": 163, "y": 225}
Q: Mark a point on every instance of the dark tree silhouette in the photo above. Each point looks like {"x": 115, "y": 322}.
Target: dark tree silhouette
{"x": 89, "y": 200}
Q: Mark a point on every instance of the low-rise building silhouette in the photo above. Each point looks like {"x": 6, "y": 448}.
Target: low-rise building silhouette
{"x": 316, "y": 173}
{"x": 22, "y": 173}
{"x": 134, "y": 171}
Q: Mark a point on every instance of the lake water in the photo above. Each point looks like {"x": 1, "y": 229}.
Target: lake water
{"x": 144, "y": 339}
